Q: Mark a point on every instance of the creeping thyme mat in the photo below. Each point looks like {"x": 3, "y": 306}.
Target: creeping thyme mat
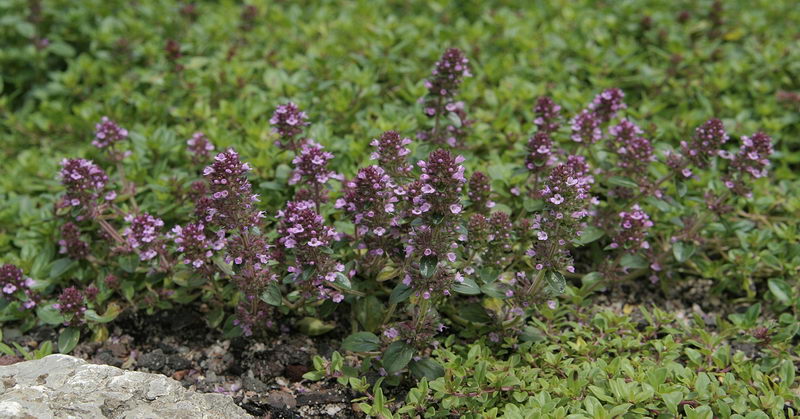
{"x": 575, "y": 210}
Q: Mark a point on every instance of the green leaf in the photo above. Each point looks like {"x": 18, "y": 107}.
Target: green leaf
{"x": 272, "y": 295}
{"x": 61, "y": 266}
{"x": 474, "y": 312}
{"x": 780, "y": 289}
{"x": 682, "y": 251}
{"x": 589, "y": 235}
{"x": 314, "y": 327}
{"x": 622, "y": 181}
{"x": 495, "y": 290}
{"x": 112, "y": 311}
{"x": 343, "y": 281}
{"x": 369, "y": 312}
{"x": 427, "y": 265}
{"x": 555, "y": 281}
{"x": 68, "y": 339}
{"x": 426, "y": 368}
{"x": 400, "y": 293}
{"x": 468, "y": 287}
{"x": 223, "y": 266}
{"x": 633, "y": 261}
{"x": 361, "y": 342}
{"x": 49, "y": 315}
{"x": 397, "y": 356}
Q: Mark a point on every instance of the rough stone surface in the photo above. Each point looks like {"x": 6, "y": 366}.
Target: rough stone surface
{"x": 61, "y": 386}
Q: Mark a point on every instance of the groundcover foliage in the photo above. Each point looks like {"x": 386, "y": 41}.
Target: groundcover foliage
{"x": 448, "y": 186}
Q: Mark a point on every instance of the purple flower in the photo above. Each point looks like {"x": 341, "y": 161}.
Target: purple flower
{"x": 143, "y": 235}
{"x": 392, "y": 154}
{"x": 230, "y": 201}
{"x": 632, "y": 231}
{"x": 540, "y": 152}
{"x": 548, "y": 114}
{"x": 14, "y": 285}
{"x": 444, "y": 173}
{"x": 707, "y": 143}
{"x": 479, "y": 192}
{"x": 288, "y": 122}
{"x": 71, "y": 243}
{"x": 442, "y": 88}
{"x": 107, "y": 133}
{"x": 586, "y": 127}
{"x": 634, "y": 152}
{"x": 199, "y": 146}
{"x": 369, "y": 200}
{"x": 311, "y": 165}
{"x": 751, "y": 161}
{"x": 71, "y": 303}
{"x": 194, "y": 246}
{"x": 607, "y": 104}
{"x": 84, "y": 181}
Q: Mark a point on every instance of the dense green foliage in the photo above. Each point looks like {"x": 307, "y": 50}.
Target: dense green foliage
{"x": 358, "y": 69}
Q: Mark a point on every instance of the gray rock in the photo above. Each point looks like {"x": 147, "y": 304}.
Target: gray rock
{"x": 61, "y": 386}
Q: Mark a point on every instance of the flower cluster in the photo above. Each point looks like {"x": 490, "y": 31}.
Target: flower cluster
{"x": 497, "y": 239}
{"x": 199, "y": 146}
{"x": 71, "y": 244}
{"x": 634, "y": 152}
{"x": 71, "y": 303}
{"x": 143, "y": 236}
{"x": 311, "y": 165}
{"x": 751, "y": 160}
{"x": 548, "y": 114}
{"x": 567, "y": 200}
{"x": 446, "y": 78}
{"x": 14, "y": 285}
{"x": 707, "y": 143}
{"x": 288, "y": 122}
{"x": 442, "y": 88}
{"x": 84, "y": 182}
{"x": 586, "y": 127}
{"x": 443, "y": 178}
{"x": 196, "y": 247}
{"x": 391, "y": 153}
{"x": 540, "y": 152}
{"x": 370, "y": 201}
{"x": 607, "y": 104}
{"x": 230, "y": 203}
{"x": 107, "y": 133}
{"x": 479, "y": 193}
{"x": 302, "y": 233}
{"x": 632, "y": 233}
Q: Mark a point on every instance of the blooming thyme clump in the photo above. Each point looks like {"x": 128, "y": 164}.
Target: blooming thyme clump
{"x": 288, "y": 122}
{"x": 751, "y": 161}
{"x": 72, "y": 305}
{"x": 15, "y": 286}
{"x": 634, "y": 151}
{"x": 707, "y": 142}
{"x": 143, "y": 235}
{"x": 230, "y": 204}
{"x": 607, "y": 104}
{"x": 479, "y": 192}
{"x": 443, "y": 177}
{"x": 311, "y": 167}
{"x": 632, "y": 233}
{"x": 200, "y": 146}
{"x": 252, "y": 313}
{"x": 196, "y": 248}
{"x": 71, "y": 244}
{"x": 84, "y": 182}
{"x": 586, "y": 127}
{"x": 392, "y": 154}
{"x": 567, "y": 201}
{"x": 303, "y": 234}
{"x": 540, "y": 152}
{"x": 547, "y": 115}
{"x": 370, "y": 201}
{"x": 442, "y": 88}
{"x": 498, "y": 240}
{"x": 107, "y": 133}
{"x": 446, "y": 77}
